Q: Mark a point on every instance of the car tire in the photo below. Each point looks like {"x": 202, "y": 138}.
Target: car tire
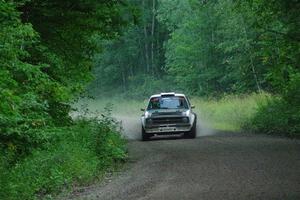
{"x": 192, "y": 133}
{"x": 145, "y": 136}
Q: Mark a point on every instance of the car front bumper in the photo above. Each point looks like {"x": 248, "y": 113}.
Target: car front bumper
{"x": 168, "y": 129}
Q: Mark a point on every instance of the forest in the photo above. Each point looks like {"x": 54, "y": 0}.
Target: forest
{"x": 209, "y": 49}
{"x": 54, "y": 52}
{"x": 203, "y": 48}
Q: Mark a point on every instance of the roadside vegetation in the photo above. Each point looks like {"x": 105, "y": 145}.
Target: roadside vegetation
{"x": 279, "y": 115}
{"x": 230, "y": 112}
{"x": 71, "y": 156}
{"x": 45, "y": 64}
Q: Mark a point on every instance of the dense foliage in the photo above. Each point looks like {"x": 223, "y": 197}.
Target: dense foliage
{"x": 280, "y": 115}
{"x": 204, "y": 47}
{"x": 80, "y": 154}
{"x": 46, "y": 50}
{"x": 45, "y": 58}
{"x": 134, "y": 61}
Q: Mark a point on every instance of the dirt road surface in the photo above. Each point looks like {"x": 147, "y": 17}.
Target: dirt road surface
{"x": 215, "y": 165}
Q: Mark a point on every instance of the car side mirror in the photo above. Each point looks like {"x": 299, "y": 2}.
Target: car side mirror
{"x": 143, "y": 109}
{"x": 192, "y": 106}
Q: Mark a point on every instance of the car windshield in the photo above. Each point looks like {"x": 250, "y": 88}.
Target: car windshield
{"x": 173, "y": 102}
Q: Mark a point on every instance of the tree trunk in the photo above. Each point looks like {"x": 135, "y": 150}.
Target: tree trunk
{"x": 254, "y": 74}
{"x": 152, "y": 36}
{"x": 251, "y": 61}
{"x": 123, "y": 81}
{"x": 146, "y": 42}
{"x": 123, "y": 76}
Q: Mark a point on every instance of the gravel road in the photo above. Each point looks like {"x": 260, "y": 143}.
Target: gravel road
{"x": 215, "y": 165}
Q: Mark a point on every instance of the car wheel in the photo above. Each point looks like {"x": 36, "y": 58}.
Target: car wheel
{"x": 192, "y": 133}
{"x": 145, "y": 136}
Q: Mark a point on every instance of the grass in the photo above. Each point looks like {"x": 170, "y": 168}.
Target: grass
{"x": 230, "y": 112}
{"x": 82, "y": 153}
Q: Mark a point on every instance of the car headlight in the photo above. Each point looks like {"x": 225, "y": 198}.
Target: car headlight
{"x": 186, "y": 113}
{"x": 147, "y": 114}
{"x": 149, "y": 121}
{"x": 185, "y": 120}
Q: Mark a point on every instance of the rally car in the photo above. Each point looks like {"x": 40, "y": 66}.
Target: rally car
{"x": 168, "y": 113}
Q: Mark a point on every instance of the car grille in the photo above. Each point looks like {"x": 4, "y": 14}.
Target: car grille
{"x": 166, "y": 113}
{"x": 169, "y": 120}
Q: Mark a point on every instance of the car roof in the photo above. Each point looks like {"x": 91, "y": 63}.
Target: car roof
{"x": 168, "y": 94}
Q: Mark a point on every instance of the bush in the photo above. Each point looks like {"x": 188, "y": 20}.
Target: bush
{"x": 280, "y": 115}
{"x": 276, "y": 117}
{"x": 83, "y": 152}
{"x": 4, "y": 173}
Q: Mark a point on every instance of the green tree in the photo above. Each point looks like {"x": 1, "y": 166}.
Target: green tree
{"x": 133, "y": 61}
{"x": 46, "y": 50}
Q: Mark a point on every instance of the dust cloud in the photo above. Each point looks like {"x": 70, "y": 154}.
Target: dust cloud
{"x": 131, "y": 126}
{"x": 203, "y": 128}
